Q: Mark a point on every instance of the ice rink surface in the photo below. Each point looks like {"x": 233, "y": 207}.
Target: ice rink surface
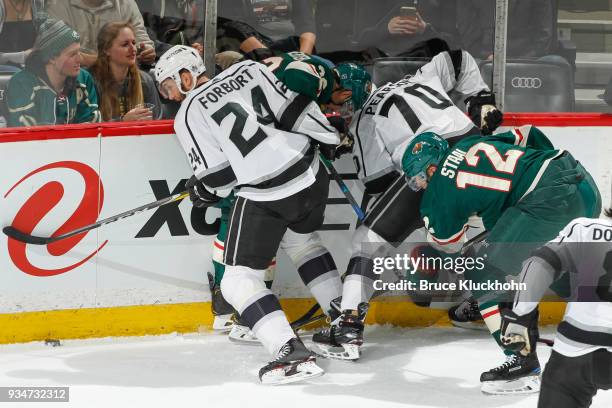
{"x": 433, "y": 367}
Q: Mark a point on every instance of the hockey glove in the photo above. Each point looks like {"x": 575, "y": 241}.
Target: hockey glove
{"x": 199, "y": 195}
{"x": 519, "y": 333}
{"x": 483, "y": 112}
{"x": 338, "y": 123}
{"x": 331, "y": 152}
{"x": 328, "y": 151}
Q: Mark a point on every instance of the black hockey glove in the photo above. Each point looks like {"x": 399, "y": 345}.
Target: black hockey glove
{"x": 331, "y": 152}
{"x": 328, "y": 151}
{"x": 483, "y": 112}
{"x": 519, "y": 333}
{"x": 338, "y": 123}
{"x": 199, "y": 195}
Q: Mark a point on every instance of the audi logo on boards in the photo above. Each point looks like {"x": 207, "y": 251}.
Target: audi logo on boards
{"x": 527, "y": 83}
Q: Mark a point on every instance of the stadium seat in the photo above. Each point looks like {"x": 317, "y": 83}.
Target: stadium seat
{"x": 535, "y": 86}
{"x": 334, "y": 28}
{"x": 393, "y": 69}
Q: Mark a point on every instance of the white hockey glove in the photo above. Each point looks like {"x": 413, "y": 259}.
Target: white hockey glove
{"x": 519, "y": 333}
{"x": 199, "y": 195}
{"x": 483, "y": 112}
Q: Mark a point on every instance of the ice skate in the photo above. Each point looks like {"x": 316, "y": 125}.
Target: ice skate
{"x": 221, "y": 309}
{"x": 343, "y": 339}
{"x": 240, "y": 332}
{"x": 294, "y": 362}
{"x": 518, "y": 375}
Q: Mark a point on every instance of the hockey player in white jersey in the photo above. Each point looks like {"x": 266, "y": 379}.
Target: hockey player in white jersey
{"x": 387, "y": 120}
{"x": 581, "y": 361}
{"x": 247, "y": 132}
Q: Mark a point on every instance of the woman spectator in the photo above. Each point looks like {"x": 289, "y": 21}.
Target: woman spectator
{"x": 122, "y": 87}
{"x": 18, "y": 27}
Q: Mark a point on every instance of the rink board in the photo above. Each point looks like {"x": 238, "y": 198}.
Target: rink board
{"x": 147, "y": 274}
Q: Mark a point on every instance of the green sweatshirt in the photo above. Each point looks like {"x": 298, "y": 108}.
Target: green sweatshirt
{"x": 31, "y": 101}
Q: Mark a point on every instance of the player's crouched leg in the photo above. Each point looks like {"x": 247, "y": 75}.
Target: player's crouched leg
{"x": 566, "y": 382}
{"x": 259, "y": 308}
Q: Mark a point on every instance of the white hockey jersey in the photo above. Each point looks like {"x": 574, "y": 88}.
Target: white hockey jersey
{"x": 396, "y": 112}
{"x": 244, "y": 130}
{"x": 582, "y": 256}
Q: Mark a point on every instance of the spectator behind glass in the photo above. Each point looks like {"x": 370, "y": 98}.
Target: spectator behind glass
{"x": 237, "y": 20}
{"x": 88, "y": 16}
{"x": 53, "y": 89}
{"x": 19, "y": 20}
{"x": 530, "y": 28}
{"x": 382, "y": 26}
{"x": 178, "y": 22}
{"x": 122, "y": 87}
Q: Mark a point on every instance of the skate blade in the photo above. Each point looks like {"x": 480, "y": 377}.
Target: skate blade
{"x": 223, "y": 323}
{"x": 348, "y": 352}
{"x": 520, "y": 386}
{"x": 303, "y": 371}
{"x": 477, "y": 325}
{"x": 241, "y": 334}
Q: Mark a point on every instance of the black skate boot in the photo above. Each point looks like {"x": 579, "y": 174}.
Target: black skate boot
{"x": 467, "y": 315}
{"x": 221, "y": 309}
{"x": 518, "y": 375}
{"x": 294, "y": 362}
{"x": 343, "y": 339}
{"x": 240, "y": 332}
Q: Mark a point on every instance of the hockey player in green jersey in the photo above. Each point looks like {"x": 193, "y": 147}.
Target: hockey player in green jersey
{"x": 524, "y": 190}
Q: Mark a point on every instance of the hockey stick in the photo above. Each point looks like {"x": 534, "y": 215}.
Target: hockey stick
{"x": 308, "y": 318}
{"x": 14, "y": 233}
{"x": 343, "y": 188}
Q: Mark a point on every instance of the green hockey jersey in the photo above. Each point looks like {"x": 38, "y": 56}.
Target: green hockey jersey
{"x": 305, "y": 74}
{"x": 483, "y": 176}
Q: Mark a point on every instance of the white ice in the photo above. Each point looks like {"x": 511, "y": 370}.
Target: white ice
{"x": 433, "y": 367}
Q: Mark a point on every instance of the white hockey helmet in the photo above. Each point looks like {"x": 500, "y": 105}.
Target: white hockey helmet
{"x": 173, "y": 61}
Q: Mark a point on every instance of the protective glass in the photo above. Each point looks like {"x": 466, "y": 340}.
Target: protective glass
{"x": 347, "y": 109}
{"x": 166, "y": 87}
{"x": 418, "y": 182}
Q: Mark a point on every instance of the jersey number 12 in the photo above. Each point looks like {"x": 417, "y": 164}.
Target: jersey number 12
{"x": 502, "y": 164}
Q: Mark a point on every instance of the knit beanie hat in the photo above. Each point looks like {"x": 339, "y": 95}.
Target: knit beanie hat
{"x": 53, "y": 37}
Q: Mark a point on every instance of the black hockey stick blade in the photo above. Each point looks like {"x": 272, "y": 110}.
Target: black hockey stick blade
{"x": 548, "y": 342}
{"x": 20, "y": 236}
{"x": 306, "y": 317}
{"x": 14, "y": 233}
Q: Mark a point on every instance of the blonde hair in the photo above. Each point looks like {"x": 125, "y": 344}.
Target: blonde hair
{"x": 101, "y": 70}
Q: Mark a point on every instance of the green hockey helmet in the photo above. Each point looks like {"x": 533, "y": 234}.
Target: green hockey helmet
{"x": 423, "y": 151}
{"x": 357, "y": 80}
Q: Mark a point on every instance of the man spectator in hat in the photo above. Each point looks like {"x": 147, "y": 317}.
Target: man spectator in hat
{"x": 53, "y": 89}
